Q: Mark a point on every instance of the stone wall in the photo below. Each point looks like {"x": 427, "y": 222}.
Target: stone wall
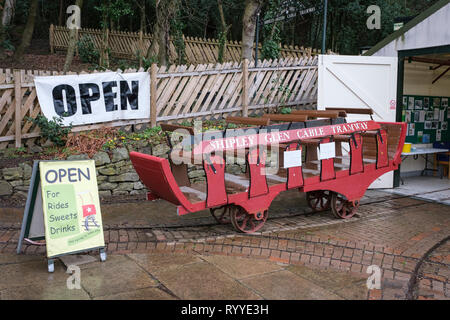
{"x": 115, "y": 173}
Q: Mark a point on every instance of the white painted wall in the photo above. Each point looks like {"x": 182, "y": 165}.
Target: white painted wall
{"x": 434, "y": 31}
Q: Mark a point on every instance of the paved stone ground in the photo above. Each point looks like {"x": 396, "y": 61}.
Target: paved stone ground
{"x": 298, "y": 255}
{"x": 176, "y": 276}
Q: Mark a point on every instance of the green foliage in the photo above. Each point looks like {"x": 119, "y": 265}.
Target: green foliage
{"x": 286, "y": 110}
{"x": 177, "y": 26}
{"x": 186, "y": 123}
{"x": 52, "y": 129}
{"x": 14, "y": 152}
{"x": 7, "y": 45}
{"x": 114, "y": 9}
{"x": 87, "y": 51}
{"x": 222, "y": 43}
{"x": 346, "y": 24}
{"x": 147, "y": 63}
{"x": 153, "y": 136}
{"x": 270, "y": 47}
{"x": 270, "y": 50}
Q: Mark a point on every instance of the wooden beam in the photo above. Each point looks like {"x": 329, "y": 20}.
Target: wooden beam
{"x": 353, "y": 110}
{"x": 432, "y": 61}
{"x": 286, "y": 117}
{"x": 441, "y": 75}
{"x": 248, "y": 120}
{"x": 17, "y": 111}
{"x": 153, "y": 104}
{"x": 320, "y": 113}
{"x": 245, "y": 88}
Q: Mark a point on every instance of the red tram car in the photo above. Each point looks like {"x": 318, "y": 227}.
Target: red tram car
{"x": 332, "y": 161}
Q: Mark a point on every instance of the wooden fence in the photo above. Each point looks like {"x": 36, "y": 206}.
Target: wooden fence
{"x": 205, "y": 91}
{"x": 131, "y": 45}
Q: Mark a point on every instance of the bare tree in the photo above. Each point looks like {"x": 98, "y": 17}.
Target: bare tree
{"x": 28, "y": 31}
{"x": 252, "y": 8}
{"x": 165, "y": 11}
{"x": 72, "y": 42}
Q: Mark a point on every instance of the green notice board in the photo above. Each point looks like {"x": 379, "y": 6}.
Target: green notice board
{"x": 427, "y": 118}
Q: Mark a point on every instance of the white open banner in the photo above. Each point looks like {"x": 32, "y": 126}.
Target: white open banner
{"x": 96, "y": 97}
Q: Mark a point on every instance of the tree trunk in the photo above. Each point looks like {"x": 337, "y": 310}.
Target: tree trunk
{"x": 28, "y": 31}
{"x": 143, "y": 27}
{"x": 8, "y": 12}
{"x": 165, "y": 11}
{"x": 2, "y": 31}
{"x": 72, "y": 42}
{"x": 104, "y": 58}
{"x": 224, "y": 33}
{"x": 62, "y": 6}
{"x": 252, "y": 7}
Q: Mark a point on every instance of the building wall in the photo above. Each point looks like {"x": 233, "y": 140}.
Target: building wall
{"x": 431, "y": 32}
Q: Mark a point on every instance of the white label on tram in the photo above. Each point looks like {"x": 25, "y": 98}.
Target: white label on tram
{"x": 292, "y": 159}
{"x": 327, "y": 151}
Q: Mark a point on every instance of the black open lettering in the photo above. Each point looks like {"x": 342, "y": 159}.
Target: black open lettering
{"x": 127, "y": 95}
{"x": 109, "y": 95}
{"x": 87, "y": 97}
{"x": 58, "y": 100}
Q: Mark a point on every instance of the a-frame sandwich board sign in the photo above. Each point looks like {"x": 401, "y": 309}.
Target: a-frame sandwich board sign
{"x": 55, "y": 209}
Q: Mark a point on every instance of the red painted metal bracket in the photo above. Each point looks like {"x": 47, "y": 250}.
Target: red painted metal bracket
{"x": 382, "y": 149}
{"x": 215, "y": 180}
{"x": 257, "y": 169}
{"x": 356, "y": 153}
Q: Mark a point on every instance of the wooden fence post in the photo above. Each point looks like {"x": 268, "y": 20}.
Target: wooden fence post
{"x": 141, "y": 47}
{"x": 17, "y": 111}
{"x": 52, "y": 30}
{"x": 245, "y": 88}
{"x": 153, "y": 106}
{"x": 106, "y": 47}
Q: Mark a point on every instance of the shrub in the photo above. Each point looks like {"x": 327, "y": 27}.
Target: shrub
{"x": 87, "y": 51}
{"x": 52, "y": 129}
{"x": 286, "y": 110}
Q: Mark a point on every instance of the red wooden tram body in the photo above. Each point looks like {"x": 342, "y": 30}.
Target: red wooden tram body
{"x": 338, "y": 182}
